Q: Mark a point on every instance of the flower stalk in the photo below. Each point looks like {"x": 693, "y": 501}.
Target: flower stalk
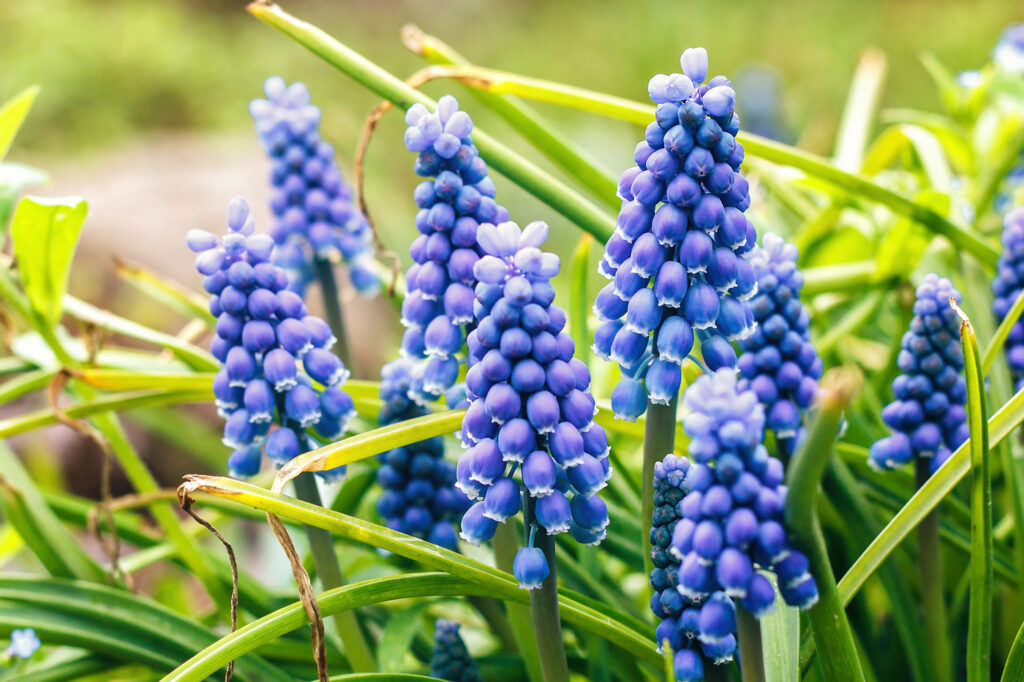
{"x": 357, "y": 648}
{"x": 547, "y": 624}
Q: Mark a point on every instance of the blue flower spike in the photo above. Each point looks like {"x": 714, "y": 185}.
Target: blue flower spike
{"x": 279, "y": 388}
{"x": 678, "y": 258}
{"x": 450, "y": 659}
{"x": 1006, "y": 287}
{"x": 927, "y": 416}
{"x": 718, "y": 528}
{"x": 315, "y": 217}
{"x": 779, "y": 362}
{"x": 419, "y": 495}
{"x": 456, "y": 197}
{"x": 530, "y": 408}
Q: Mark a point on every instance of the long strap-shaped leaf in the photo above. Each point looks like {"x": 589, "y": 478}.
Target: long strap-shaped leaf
{"x": 113, "y": 622}
{"x": 500, "y": 584}
{"x": 979, "y": 619}
{"x": 927, "y": 498}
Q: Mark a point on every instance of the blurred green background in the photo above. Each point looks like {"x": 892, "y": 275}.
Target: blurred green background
{"x": 144, "y": 104}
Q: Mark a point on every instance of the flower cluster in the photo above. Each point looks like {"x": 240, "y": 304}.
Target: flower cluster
{"x": 1009, "y": 51}
{"x": 530, "y": 406}
{"x": 779, "y": 363}
{"x": 1006, "y": 287}
{"x": 419, "y": 496}
{"x": 450, "y": 659}
{"x": 315, "y": 218}
{"x": 264, "y": 333}
{"x": 24, "y": 643}
{"x": 438, "y": 310}
{"x": 730, "y": 523}
{"x": 667, "y": 603}
{"x": 927, "y": 415}
{"x": 676, "y": 260}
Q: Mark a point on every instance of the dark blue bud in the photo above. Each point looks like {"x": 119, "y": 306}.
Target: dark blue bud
{"x": 244, "y": 462}
{"x": 589, "y": 512}
{"x": 566, "y": 445}
{"x": 325, "y": 367}
{"x": 516, "y": 440}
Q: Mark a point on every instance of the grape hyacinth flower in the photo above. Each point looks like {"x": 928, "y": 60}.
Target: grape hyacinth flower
{"x": 530, "y": 407}
{"x": 689, "y": 658}
{"x": 419, "y": 496}
{"x": 927, "y": 416}
{"x": 779, "y": 363}
{"x": 455, "y": 199}
{"x": 271, "y": 352}
{"x": 24, "y": 643}
{"x": 1006, "y": 287}
{"x": 677, "y": 260}
{"x": 314, "y": 214}
{"x": 450, "y": 659}
{"x": 718, "y": 526}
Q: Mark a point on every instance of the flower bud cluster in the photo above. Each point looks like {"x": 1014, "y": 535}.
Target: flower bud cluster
{"x": 690, "y": 654}
{"x": 733, "y": 510}
{"x": 458, "y": 197}
{"x": 450, "y": 659}
{"x": 927, "y": 415}
{"x": 314, "y": 215}
{"x": 276, "y": 363}
{"x": 1006, "y": 287}
{"x": 778, "y": 362}
{"x": 530, "y": 406}
{"x": 419, "y": 495}
{"x": 677, "y": 260}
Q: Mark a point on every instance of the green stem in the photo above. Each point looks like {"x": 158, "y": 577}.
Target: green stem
{"x": 929, "y": 562}
{"x": 659, "y": 440}
{"x": 357, "y": 649}
{"x": 854, "y": 276}
{"x": 527, "y": 175}
{"x": 597, "y": 652}
{"x": 505, "y": 543}
{"x": 842, "y": 489}
{"x": 550, "y": 141}
{"x": 332, "y": 308}
{"x": 832, "y": 635}
{"x": 751, "y": 649}
{"x": 547, "y": 624}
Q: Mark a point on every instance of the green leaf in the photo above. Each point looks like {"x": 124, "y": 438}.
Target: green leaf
{"x": 192, "y": 355}
{"x": 865, "y": 91}
{"x": 1014, "y": 668}
{"x": 979, "y": 619}
{"x": 12, "y": 115}
{"x": 111, "y": 403}
{"x": 500, "y": 584}
{"x": 162, "y": 290}
{"x": 780, "y": 634}
{"x": 837, "y": 652}
{"x": 25, "y": 508}
{"x": 1002, "y": 423}
{"x": 45, "y": 233}
{"x": 15, "y": 177}
{"x": 112, "y": 622}
{"x": 398, "y": 633}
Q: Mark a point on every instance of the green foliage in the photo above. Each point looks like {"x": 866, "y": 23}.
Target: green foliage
{"x": 913, "y": 196}
{"x": 45, "y": 233}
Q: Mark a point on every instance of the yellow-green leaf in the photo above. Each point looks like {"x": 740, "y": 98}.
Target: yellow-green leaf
{"x": 12, "y": 115}
{"x": 45, "y": 233}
